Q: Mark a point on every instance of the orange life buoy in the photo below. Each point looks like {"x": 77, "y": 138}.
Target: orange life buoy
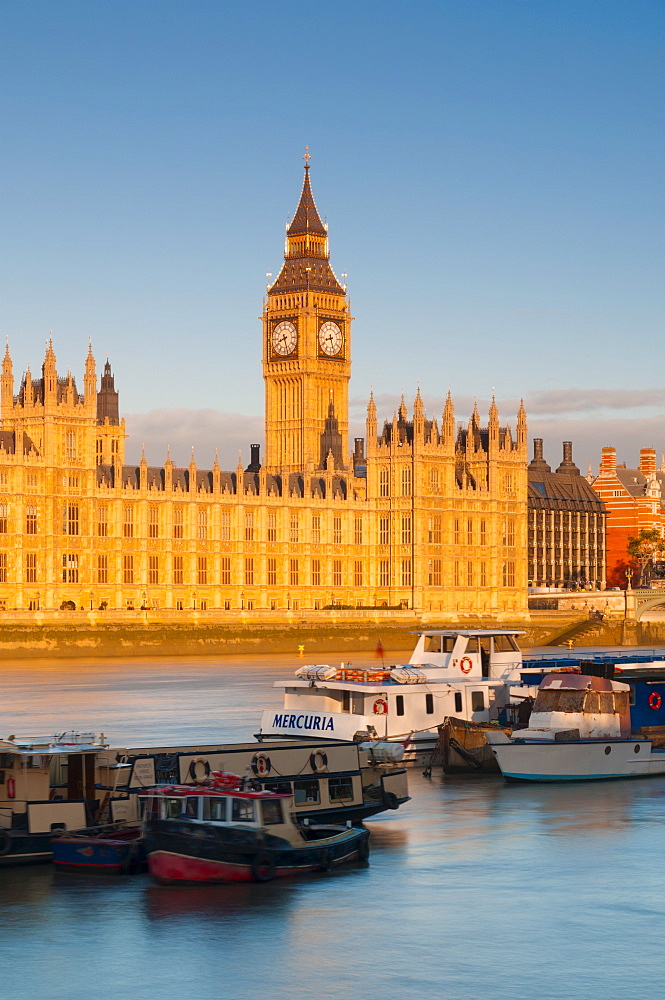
{"x": 261, "y": 764}
{"x": 380, "y": 706}
{"x": 655, "y": 701}
{"x": 465, "y": 664}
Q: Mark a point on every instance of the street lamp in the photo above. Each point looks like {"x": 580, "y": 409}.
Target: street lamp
{"x": 144, "y": 601}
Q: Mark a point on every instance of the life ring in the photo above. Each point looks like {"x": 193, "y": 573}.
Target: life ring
{"x": 655, "y": 701}
{"x": 318, "y": 761}
{"x": 261, "y": 764}
{"x": 5, "y": 843}
{"x": 380, "y": 706}
{"x": 194, "y": 774}
{"x": 263, "y": 868}
{"x": 465, "y": 664}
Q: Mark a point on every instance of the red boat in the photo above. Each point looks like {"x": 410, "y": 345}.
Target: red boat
{"x": 220, "y": 830}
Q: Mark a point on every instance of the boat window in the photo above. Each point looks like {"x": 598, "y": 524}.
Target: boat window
{"x": 477, "y": 701}
{"x": 214, "y": 808}
{"x": 306, "y": 791}
{"x": 631, "y": 695}
{"x": 340, "y": 789}
{"x": 358, "y": 704}
{"x": 472, "y": 645}
{"x": 559, "y": 701}
{"x": 192, "y": 807}
{"x": 433, "y": 644}
{"x": 429, "y": 704}
{"x": 458, "y": 701}
{"x": 346, "y": 701}
{"x": 272, "y": 812}
{"x": 172, "y": 808}
{"x": 242, "y": 811}
{"x": 280, "y": 787}
{"x": 399, "y": 704}
{"x": 485, "y": 654}
{"x": 603, "y": 702}
{"x": 504, "y": 644}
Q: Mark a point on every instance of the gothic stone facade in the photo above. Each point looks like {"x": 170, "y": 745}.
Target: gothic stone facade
{"x": 425, "y": 516}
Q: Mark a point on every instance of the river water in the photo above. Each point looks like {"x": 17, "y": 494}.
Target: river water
{"x": 475, "y": 889}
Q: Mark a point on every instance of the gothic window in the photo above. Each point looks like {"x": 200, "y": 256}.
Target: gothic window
{"x": 128, "y": 569}
{"x": 202, "y": 524}
{"x": 70, "y": 446}
{"x": 384, "y": 531}
{"x": 509, "y": 574}
{"x": 456, "y": 531}
{"x": 294, "y": 530}
{"x": 225, "y": 571}
{"x": 434, "y": 480}
{"x": 434, "y": 573}
{"x": 358, "y": 530}
{"x": 98, "y": 451}
{"x": 406, "y": 529}
{"x": 178, "y": 522}
{"x": 202, "y": 571}
{"x": 293, "y": 572}
{"x": 102, "y": 569}
{"x": 249, "y": 571}
{"x": 469, "y": 532}
{"x": 272, "y": 527}
{"x": 456, "y": 573}
{"x": 384, "y": 573}
{"x": 384, "y": 482}
{"x": 483, "y": 532}
{"x": 128, "y": 521}
{"x": 406, "y": 572}
{"x": 102, "y": 520}
{"x": 153, "y": 521}
{"x": 3, "y": 518}
{"x": 249, "y": 526}
{"x": 70, "y": 568}
{"x": 406, "y": 481}
{"x": 508, "y": 532}
{"x": 316, "y": 528}
{"x": 316, "y": 572}
{"x": 272, "y": 572}
{"x": 434, "y": 530}
{"x": 3, "y": 567}
{"x": 226, "y": 525}
{"x": 469, "y": 574}
{"x": 153, "y": 569}
{"x": 483, "y": 574}
{"x": 70, "y": 519}
{"x": 31, "y": 567}
{"x": 358, "y": 573}
{"x": 31, "y": 519}
{"x": 337, "y": 572}
{"x": 337, "y": 530}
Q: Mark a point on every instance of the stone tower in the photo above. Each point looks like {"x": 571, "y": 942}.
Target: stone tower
{"x": 306, "y": 351}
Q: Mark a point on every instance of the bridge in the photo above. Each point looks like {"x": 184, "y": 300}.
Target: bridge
{"x": 640, "y": 600}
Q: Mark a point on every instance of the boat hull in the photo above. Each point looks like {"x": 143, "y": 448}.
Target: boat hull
{"x": 206, "y": 853}
{"x": 588, "y": 760}
{"x": 111, "y": 855}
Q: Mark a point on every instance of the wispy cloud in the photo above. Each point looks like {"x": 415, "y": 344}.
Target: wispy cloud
{"x": 182, "y": 430}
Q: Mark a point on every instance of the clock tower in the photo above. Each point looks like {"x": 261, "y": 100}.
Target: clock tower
{"x": 306, "y": 350}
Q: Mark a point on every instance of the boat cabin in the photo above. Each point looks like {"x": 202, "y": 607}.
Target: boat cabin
{"x": 579, "y": 706}
{"x": 470, "y": 653}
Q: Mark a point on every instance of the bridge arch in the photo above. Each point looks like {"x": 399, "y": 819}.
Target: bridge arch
{"x": 652, "y": 602}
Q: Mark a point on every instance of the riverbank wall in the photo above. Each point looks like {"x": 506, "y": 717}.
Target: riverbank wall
{"x": 146, "y": 634}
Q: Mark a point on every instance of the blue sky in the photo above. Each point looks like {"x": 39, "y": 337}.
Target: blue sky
{"x": 491, "y": 171}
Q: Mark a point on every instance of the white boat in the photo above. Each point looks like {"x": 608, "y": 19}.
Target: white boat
{"x": 464, "y": 673}
{"x": 579, "y": 730}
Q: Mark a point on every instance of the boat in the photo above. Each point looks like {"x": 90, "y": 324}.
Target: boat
{"x": 109, "y": 850}
{"x": 579, "y": 730}
{"x": 473, "y": 675}
{"x": 75, "y": 782}
{"x": 223, "y": 831}
{"x": 49, "y": 783}
{"x": 464, "y": 673}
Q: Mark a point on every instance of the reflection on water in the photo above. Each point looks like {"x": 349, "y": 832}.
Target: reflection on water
{"x": 475, "y": 889}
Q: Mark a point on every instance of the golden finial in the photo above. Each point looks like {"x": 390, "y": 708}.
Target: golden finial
{"x": 307, "y": 157}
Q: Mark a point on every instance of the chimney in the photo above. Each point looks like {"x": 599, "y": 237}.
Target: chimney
{"x": 538, "y": 463}
{"x": 359, "y": 450}
{"x": 648, "y": 461}
{"x": 608, "y": 461}
{"x": 567, "y": 465}
{"x": 255, "y": 461}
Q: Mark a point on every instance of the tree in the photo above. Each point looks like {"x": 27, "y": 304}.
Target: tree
{"x": 644, "y": 549}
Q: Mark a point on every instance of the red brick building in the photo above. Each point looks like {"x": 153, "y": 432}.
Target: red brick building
{"x": 634, "y": 499}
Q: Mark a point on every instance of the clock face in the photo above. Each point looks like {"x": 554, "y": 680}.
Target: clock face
{"x": 284, "y": 338}
{"x": 331, "y": 338}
